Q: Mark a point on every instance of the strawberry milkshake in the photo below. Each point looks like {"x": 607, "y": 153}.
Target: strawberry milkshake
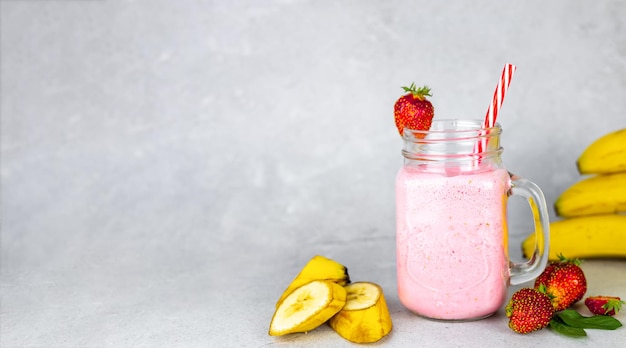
{"x": 451, "y": 242}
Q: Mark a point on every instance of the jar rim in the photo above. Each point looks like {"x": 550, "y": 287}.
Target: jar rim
{"x": 452, "y": 140}
{"x": 463, "y": 128}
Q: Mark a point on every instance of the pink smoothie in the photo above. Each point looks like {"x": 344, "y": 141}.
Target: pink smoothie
{"x": 452, "y": 256}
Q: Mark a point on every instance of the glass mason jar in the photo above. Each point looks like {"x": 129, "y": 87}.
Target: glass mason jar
{"x": 451, "y": 229}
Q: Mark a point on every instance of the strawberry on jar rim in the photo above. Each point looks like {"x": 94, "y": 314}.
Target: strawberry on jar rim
{"x": 413, "y": 110}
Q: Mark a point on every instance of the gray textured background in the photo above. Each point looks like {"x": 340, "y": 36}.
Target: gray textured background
{"x": 168, "y": 166}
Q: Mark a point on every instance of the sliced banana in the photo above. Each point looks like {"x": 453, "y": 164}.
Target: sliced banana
{"x": 307, "y": 307}
{"x": 365, "y": 318}
{"x": 318, "y": 268}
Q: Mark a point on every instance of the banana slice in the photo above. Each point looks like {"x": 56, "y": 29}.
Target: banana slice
{"x": 318, "y": 268}
{"x": 308, "y": 307}
{"x": 365, "y": 318}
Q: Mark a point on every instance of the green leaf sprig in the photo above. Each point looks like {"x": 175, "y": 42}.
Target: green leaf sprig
{"x": 572, "y": 324}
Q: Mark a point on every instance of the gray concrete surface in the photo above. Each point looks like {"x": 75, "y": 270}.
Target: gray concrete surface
{"x": 167, "y": 167}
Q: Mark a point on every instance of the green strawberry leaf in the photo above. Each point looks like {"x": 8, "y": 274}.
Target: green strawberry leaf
{"x": 421, "y": 91}
{"x": 559, "y": 326}
{"x": 603, "y": 322}
{"x": 613, "y": 305}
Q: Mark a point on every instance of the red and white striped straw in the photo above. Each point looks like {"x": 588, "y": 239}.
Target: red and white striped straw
{"x": 498, "y": 99}
{"x": 498, "y": 95}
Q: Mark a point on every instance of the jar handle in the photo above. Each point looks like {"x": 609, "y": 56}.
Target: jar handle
{"x": 531, "y": 269}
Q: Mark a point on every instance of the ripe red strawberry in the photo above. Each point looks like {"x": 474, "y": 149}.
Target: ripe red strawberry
{"x": 565, "y": 282}
{"x": 529, "y": 310}
{"x": 413, "y": 110}
{"x": 545, "y": 275}
{"x": 604, "y": 305}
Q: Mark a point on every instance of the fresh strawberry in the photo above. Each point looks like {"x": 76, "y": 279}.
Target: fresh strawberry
{"x": 604, "y": 305}
{"x": 529, "y": 310}
{"x": 545, "y": 275}
{"x": 565, "y": 282}
{"x": 413, "y": 110}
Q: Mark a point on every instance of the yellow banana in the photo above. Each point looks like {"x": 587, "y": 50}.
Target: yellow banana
{"x": 594, "y": 236}
{"x": 318, "y": 268}
{"x": 365, "y": 318}
{"x": 605, "y": 155}
{"x": 308, "y": 307}
{"x": 598, "y": 194}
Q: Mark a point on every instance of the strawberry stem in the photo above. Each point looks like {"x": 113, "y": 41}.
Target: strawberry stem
{"x": 541, "y": 288}
{"x": 613, "y": 305}
{"x": 564, "y": 259}
{"x": 419, "y": 93}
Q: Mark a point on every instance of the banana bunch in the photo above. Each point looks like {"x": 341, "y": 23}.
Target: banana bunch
{"x": 322, "y": 293}
{"x": 594, "y": 223}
